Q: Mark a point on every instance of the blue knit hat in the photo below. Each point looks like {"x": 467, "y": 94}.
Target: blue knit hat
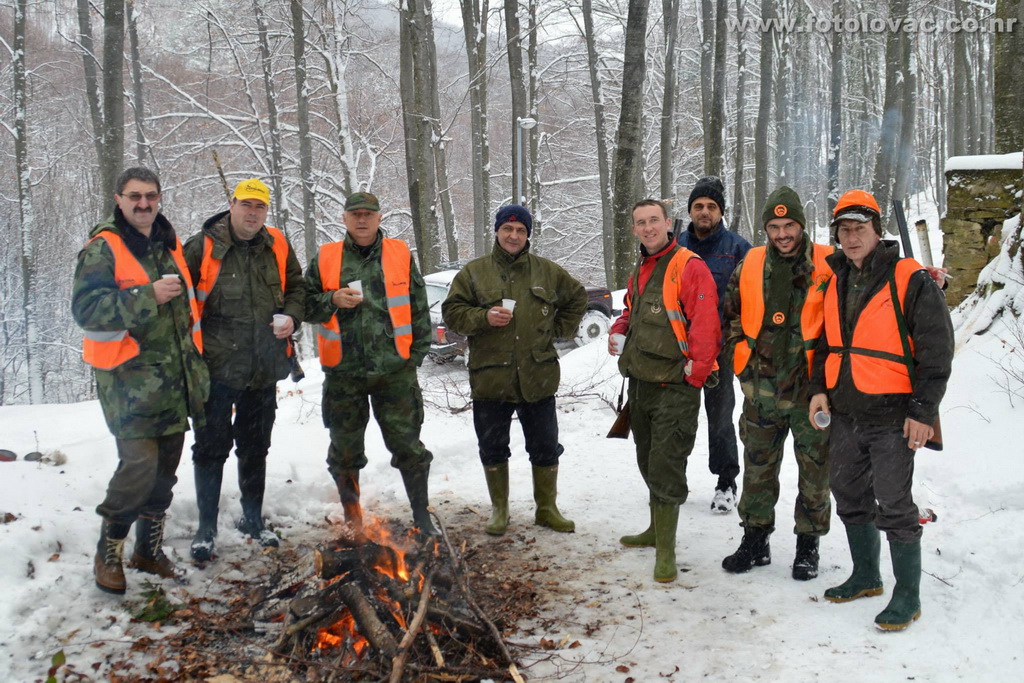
{"x": 514, "y": 212}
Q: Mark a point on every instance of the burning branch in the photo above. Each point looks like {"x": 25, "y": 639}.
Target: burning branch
{"x": 398, "y": 663}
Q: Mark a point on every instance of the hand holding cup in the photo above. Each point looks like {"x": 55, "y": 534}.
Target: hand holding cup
{"x": 167, "y": 287}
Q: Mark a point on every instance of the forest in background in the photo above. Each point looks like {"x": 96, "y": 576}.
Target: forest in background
{"x": 419, "y": 104}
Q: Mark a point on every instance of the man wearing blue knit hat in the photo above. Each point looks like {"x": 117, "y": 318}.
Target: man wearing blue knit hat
{"x": 512, "y": 305}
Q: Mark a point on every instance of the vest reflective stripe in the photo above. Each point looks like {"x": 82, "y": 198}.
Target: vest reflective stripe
{"x": 107, "y": 350}
{"x": 877, "y": 361}
{"x": 396, "y": 263}
{"x": 209, "y": 269}
{"x": 751, "y": 288}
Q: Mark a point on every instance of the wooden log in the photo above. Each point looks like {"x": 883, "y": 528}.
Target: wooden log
{"x": 398, "y": 662}
{"x": 369, "y": 624}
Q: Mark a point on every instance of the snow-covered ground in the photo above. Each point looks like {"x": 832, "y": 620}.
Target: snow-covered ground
{"x": 760, "y": 626}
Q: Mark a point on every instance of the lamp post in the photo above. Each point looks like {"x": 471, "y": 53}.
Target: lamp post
{"x": 522, "y": 123}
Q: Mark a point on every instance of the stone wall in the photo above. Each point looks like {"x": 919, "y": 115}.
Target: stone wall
{"x": 981, "y": 193}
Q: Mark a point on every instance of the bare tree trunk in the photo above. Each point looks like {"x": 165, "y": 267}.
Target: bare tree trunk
{"x": 670, "y": 12}
{"x": 707, "y": 84}
{"x": 1009, "y": 56}
{"x": 415, "y": 86}
{"x": 281, "y": 213}
{"x": 138, "y": 103}
{"x": 113, "y": 95}
{"x": 960, "y": 133}
{"x": 92, "y": 87}
{"x": 516, "y": 79}
{"x": 336, "y": 78}
{"x": 628, "y": 153}
{"x": 892, "y": 110}
{"x": 906, "y": 162}
{"x": 305, "y": 145}
{"x": 26, "y": 210}
{"x": 741, "y": 122}
{"x": 716, "y": 155}
{"x": 437, "y": 136}
{"x": 764, "y": 115}
{"x": 835, "y": 135}
{"x": 603, "y": 170}
{"x": 474, "y": 24}
{"x": 783, "y": 125}
{"x": 533, "y": 178}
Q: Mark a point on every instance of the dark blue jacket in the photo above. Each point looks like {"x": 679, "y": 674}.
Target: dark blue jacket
{"x": 722, "y": 251}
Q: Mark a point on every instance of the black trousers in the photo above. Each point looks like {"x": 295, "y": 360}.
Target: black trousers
{"x": 719, "y": 404}
{"x": 493, "y": 420}
{"x": 144, "y": 478}
{"x": 249, "y": 432}
{"x": 871, "y": 473}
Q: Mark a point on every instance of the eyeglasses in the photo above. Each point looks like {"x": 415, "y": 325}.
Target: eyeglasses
{"x": 136, "y": 197}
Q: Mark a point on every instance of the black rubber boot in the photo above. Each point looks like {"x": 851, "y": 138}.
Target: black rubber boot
{"x": 497, "y": 487}
{"x": 347, "y": 482}
{"x": 149, "y": 554}
{"x": 251, "y": 524}
{"x": 416, "y": 488}
{"x": 107, "y": 565}
{"x": 805, "y": 564}
{"x": 208, "y": 479}
{"x": 754, "y": 551}
{"x": 252, "y": 475}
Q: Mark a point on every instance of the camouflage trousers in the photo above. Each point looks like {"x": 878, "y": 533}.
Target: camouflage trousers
{"x": 663, "y": 418}
{"x": 763, "y": 431}
{"x": 397, "y": 406}
{"x": 144, "y": 478}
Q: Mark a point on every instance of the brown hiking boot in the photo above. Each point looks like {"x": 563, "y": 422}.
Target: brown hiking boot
{"x": 107, "y": 565}
{"x": 149, "y": 554}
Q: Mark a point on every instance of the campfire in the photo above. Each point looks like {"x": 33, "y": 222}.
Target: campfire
{"x": 379, "y": 605}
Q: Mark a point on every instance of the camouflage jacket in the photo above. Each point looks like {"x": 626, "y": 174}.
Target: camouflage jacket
{"x": 782, "y": 380}
{"x": 239, "y": 344}
{"x": 367, "y": 335}
{"x": 152, "y": 394}
{"x": 517, "y": 362}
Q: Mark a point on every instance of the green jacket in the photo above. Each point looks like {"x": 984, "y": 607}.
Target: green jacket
{"x": 152, "y": 394}
{"x": 517, "y": 362}
{"x": 239, "y": 344}
{"x": 367, "y": 335}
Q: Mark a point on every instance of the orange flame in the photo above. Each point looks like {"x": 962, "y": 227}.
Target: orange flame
{"x": 388, "y": 563}
{"x": 337, "y": 633}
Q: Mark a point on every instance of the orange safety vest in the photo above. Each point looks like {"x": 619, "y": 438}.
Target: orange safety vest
{"x": 752, "y": 303}
{"x": 396, "y": 262}
{"x": 670, "y": 296}
{"x": 107, "y": 350}
{"x": 881, "y": 352}
{"x": 210, "y": 269}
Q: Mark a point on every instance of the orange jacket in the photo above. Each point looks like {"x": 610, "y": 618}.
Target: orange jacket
{"x": 751, "y": 286}
{"x": 107, "y": 350}
{"x": 210, "y": 269}
{"x": 396, "y": 262}
{"x": 881, "y": 351}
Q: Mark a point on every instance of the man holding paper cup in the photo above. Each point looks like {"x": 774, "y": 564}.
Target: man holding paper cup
{"x": 133, "y": 297}
{"x": 673, "y": 337}
{"x": 252, "y": 298}
{"x": 371, "y": 303}
{"x": 880, "y": 370}
{"x": 512, "y": 305}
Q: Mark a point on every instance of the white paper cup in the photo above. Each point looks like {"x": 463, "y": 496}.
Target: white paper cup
{"x": 822, "y": 419}
{"x": 618, "y": 341}
{"x": 280, "y": 320}
{"x": 168, "y": 276}
{"x": 508, "y": 304}
{"x": 357, "y": 285}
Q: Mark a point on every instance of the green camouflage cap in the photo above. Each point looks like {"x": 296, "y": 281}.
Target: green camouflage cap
{"x": 362, "y": 200}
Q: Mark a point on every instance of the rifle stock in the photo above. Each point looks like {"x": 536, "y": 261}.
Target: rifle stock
{"x": 620, "y": 429}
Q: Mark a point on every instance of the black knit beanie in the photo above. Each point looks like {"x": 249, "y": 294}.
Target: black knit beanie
{"x": 710, "y": 187}
{"x": 514, "y": 212}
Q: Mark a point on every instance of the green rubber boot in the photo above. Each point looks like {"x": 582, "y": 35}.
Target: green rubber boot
{"x": 545, "y": 491}
{"x": 497, "y": 487}
{"x": 666, "y": 519}
{"x": 865, "y": 581}
{"x": 905, "y": 604}
{"x": 644, "y": 539}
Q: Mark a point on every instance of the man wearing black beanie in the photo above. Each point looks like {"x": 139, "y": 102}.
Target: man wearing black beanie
{"x": 710, "y": 238}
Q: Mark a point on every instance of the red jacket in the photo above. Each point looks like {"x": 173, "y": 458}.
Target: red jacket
{"x": 698, "y": 295}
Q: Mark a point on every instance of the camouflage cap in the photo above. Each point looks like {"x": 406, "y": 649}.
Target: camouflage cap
{"x": 362, "y": 200}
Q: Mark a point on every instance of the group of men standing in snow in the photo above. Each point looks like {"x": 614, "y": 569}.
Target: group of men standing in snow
{"x": 857, "y": 337}
{"x": 204, "y": 330}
